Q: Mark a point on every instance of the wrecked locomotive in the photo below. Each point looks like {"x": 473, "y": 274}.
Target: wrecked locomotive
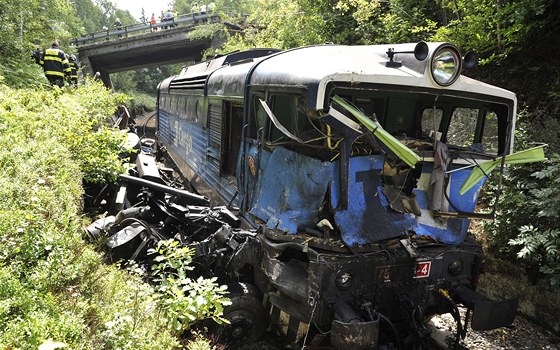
{"x": 361, "y": 167}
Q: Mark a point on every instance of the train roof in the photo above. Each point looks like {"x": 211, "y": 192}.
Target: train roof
{"x": 314, "y": 67}
{"x": 195, "y": 76}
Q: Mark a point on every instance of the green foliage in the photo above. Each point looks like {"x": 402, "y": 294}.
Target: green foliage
{"x": 492, "y": 28}
{"x": 30, "y": 23}
{"x": 144, "y": 80}
{"x": 21, "y": 72}
{"x": 199, "y": 342}
{"x": 37, "y": 23}
{"x": 123, "y": 81}
{"x": 141, "y": 103}
{"x": 526, "y": 226}
{"x": 82, "y": 128}
{"x": 281, "y": 24}
{"x": 53, "y": 286}
{"x": 532, "y": 219}
{"x": 181, "y": 299}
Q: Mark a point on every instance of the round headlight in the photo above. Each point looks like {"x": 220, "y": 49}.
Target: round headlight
{"x": 344, "y": 280}
{"x": 446, "y": 65}
{"x": 455, "y": 268}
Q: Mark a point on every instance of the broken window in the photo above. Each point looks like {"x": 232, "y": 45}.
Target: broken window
{"x": 490, "y": 133}
{"x": 431, "y": 121}
{"x": 462, "y": 127}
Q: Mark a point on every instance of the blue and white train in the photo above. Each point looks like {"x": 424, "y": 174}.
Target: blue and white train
{"x": 361, "y": 167}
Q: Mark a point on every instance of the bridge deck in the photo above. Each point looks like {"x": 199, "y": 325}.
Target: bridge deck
{"x": 139, "y": 46}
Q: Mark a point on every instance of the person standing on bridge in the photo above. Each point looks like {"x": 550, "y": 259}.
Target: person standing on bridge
{"x": 195, "y": 8}
{"x": 212, "y": 11}
{"x": 203, "y": 11}
{"x": 55, "y": 65}
{"x": 169, "y": 17}
{"x": 118, "y": 26}
{"x": 153, "y": 22}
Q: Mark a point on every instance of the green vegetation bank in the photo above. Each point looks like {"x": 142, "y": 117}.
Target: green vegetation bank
{"x": 54, "y": 286}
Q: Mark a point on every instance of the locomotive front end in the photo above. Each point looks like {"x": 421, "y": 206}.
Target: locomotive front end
{"x": 365, "y": 174}
{"x": 358, "y": 170}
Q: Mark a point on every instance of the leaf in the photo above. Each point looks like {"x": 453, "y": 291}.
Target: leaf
{"x": 50, "y": 345}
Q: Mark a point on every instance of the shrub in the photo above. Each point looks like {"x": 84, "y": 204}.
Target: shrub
{"x": 53, "y": 286}
{"x": 538, "y": 241}
{"x": 182, "y": 299}
{"x": 526, "y": 228}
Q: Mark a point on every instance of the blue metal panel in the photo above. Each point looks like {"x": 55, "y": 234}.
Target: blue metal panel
{"x": 448, "y": 230}
{"x": 163, "y": 127}
{"x": 190, "y": 142}
{"x": 368, "y": 218}
{"x": 466, "y": 202}
{"x": 253, "y": 185}
{"x": 291, "y": 190}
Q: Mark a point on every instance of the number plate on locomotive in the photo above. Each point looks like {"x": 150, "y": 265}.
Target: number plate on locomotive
{"x": 423, "y": 269}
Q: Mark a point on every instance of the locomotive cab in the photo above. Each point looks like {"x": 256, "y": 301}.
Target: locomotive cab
{"x": 361, "y": 167}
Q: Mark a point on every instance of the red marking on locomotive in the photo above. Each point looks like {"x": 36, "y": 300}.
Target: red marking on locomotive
{"x": 423, "y": 269}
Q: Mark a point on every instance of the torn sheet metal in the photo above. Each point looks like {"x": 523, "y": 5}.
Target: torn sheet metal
{"x": 369, "y": 217}
{"x": 448, "y": 230}
{"x": 292, "y": 189}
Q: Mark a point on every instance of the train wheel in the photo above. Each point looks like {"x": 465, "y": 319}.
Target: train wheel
{"x": 247, "y": 316}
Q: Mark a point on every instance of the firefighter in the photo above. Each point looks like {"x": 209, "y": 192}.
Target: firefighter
{"x": 55, "y": 65}
{"x": 73, "y": 62}
{"x": 36, "y": 55}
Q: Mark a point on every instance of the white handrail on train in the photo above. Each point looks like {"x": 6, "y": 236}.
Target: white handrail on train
{"x": 123, "y": 33}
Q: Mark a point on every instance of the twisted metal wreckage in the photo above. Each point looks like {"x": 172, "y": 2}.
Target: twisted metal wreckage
{"x": 357, "y": 177}
{"x": 149, "y": 206}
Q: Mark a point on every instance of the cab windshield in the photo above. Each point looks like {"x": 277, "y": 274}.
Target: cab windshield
{"x": 415, "y": 118}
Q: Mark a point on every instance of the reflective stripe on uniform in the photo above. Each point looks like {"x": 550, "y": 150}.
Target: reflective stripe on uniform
{"x": 53, "y": 58}
{"x": 52, "y": 72}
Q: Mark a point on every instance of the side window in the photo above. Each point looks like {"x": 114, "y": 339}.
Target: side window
{"x": 431, "y": 120}
{"x": 291, "y": 113}
{"x": 490, "y": 138}
{"x": 400, "y": 117}
{"x": 232, "y": 125}
{"x": 462, "y": 127}
{"x": 283, "y": 108}
{"x": 258, "y": 115}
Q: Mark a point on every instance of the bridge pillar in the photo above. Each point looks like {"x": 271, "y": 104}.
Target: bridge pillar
{"x": 91, "y": 69}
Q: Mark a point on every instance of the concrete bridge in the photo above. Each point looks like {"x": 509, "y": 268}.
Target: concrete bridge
{"x": 142, "y": 45}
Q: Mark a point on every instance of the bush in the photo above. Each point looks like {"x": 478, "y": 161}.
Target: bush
{"x": 183, "y": 300}
{"x": 538, "y": 240}
{"x": 526, "y": 228}
{"x": 53, "y": 286}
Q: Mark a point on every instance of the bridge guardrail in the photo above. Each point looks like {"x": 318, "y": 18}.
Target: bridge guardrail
{"x": 126, "y": 30}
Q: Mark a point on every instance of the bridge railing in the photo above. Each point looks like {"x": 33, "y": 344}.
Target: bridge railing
{"x": 125, "y": 31}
